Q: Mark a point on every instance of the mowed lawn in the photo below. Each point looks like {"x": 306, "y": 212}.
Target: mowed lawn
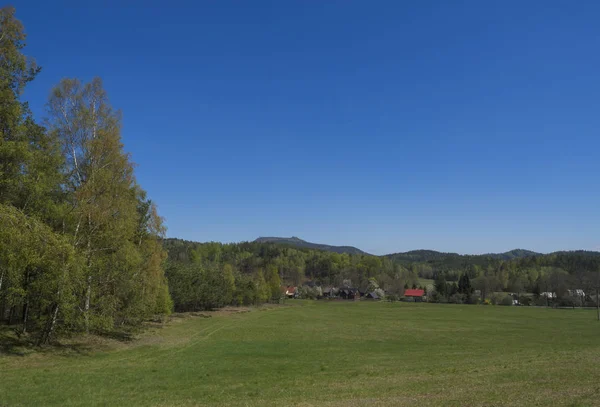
{"x": 331, "y": 354}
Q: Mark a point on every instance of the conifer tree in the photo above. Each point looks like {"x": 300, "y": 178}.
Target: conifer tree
{"x": 273, "y": 282}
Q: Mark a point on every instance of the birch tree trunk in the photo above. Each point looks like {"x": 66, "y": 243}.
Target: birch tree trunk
{"x": 86, "y": 309}
{"x": 25, "y": 316}
{"x": 26, "y": 304}
{"x": 49, "y": 329}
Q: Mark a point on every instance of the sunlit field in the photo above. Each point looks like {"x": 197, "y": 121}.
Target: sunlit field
{"x": 328, "y": 354}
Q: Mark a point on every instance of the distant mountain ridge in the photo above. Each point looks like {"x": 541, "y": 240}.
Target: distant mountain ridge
{"x": 512, "y": 254}
{"x": 410, "y": 256}
{"x": 297, "y": 242}
{"x": 414, "y": 256}
{"x": 432, "y": 255}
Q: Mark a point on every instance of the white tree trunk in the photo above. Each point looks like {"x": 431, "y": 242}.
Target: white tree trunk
{"x": 86, "y": 310}
{"x": 53, "y": 324}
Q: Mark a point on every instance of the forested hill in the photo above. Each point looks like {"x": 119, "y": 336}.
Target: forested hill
{"x": 297, "y": 242}
{"x": 208, "y": 275}
{"x": 179, "y": 249}
{"x": 513, "y": 254}
{"x": 320, "y": 261}
{"x": 432, "y": 255}
{"x": 406, "y": 257}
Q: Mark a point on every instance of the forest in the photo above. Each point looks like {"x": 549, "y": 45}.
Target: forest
{"x": 80, "y": 241}
{"x": 447, "y": 277}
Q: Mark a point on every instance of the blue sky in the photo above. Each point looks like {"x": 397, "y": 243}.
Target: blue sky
{"x": 462, "y": 126}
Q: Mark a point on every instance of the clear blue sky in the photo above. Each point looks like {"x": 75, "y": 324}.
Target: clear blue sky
{"x": 466, "y": 126}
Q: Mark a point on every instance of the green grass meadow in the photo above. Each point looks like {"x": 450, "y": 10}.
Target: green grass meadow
{"x": 329, "y": 354}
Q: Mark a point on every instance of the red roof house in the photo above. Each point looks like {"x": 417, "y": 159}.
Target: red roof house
{"x": 290, "y": 291}
{"x": 414, "y": 293}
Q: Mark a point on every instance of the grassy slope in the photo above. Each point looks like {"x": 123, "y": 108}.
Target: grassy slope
{"x": 425, "y": 282}
{"x": 332, "y": 354}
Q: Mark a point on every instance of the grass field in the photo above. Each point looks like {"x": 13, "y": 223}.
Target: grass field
{"x": 330, "y": 354}
{"x": 424, "y": 282}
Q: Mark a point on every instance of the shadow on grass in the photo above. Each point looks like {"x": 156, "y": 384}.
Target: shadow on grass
{"x": 13, "y": 344}
{"x": 120, "y": 336}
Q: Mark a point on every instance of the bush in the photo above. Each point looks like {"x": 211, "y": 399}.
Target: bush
{"x": 309, "y": 293}
{"x": 525, "y": 300}
{"x": 496, "y": 298}
{"x": 439, "y": 298}
{"x": 471, "y": 299}
{"x": 455, "y": 299}
{"x": 507, "y": 300}
{"x": 566, "y": 302}
{"x": 380, "y": 293}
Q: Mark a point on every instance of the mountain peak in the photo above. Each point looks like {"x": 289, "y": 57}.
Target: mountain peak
{"x": 300, "y": 243}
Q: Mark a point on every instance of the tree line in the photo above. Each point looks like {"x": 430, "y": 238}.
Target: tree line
{"x": 472, "y": 279}
{"x": 250, "y": 266}
{"x": 80, "y": 242}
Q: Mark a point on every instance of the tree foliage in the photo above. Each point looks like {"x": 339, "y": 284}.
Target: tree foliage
{"x": 80, "y": 243}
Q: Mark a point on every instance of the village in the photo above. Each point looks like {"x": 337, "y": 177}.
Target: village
{"x": 311, "y": 290}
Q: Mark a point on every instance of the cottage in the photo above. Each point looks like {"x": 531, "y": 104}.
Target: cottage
{"x": 349, "y": 293}
{"x": 329, "y": 292}
{"x": 577, "y": 293}
{"x": 372, "y": 296}
{"x": 414, "y": 294}
{"x": 290, "y": 292}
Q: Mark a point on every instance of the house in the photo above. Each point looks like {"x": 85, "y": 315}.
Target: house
{"x": 548, "y": 295}
{"x": 372, "y": 296}
{"x": 414, "y": 294}
{"x": 290, "y": 292}
{"x": 577, "y": 293}
{"x": 515, "y": 298}
{"x": 329, "y": 292}
{"x": 349, "y": 293}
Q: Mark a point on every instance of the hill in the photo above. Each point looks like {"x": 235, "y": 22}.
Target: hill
{"x": 512, "y": 254}
{"x": 297, "y": 242}
{"x": 432, "y": 255}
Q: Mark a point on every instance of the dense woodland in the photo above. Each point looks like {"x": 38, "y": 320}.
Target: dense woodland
{"x": 82, "y": 247}
{"x": 455, "y": 277}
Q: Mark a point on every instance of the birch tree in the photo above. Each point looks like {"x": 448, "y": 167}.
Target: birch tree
{"x": 100, "y": 187}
